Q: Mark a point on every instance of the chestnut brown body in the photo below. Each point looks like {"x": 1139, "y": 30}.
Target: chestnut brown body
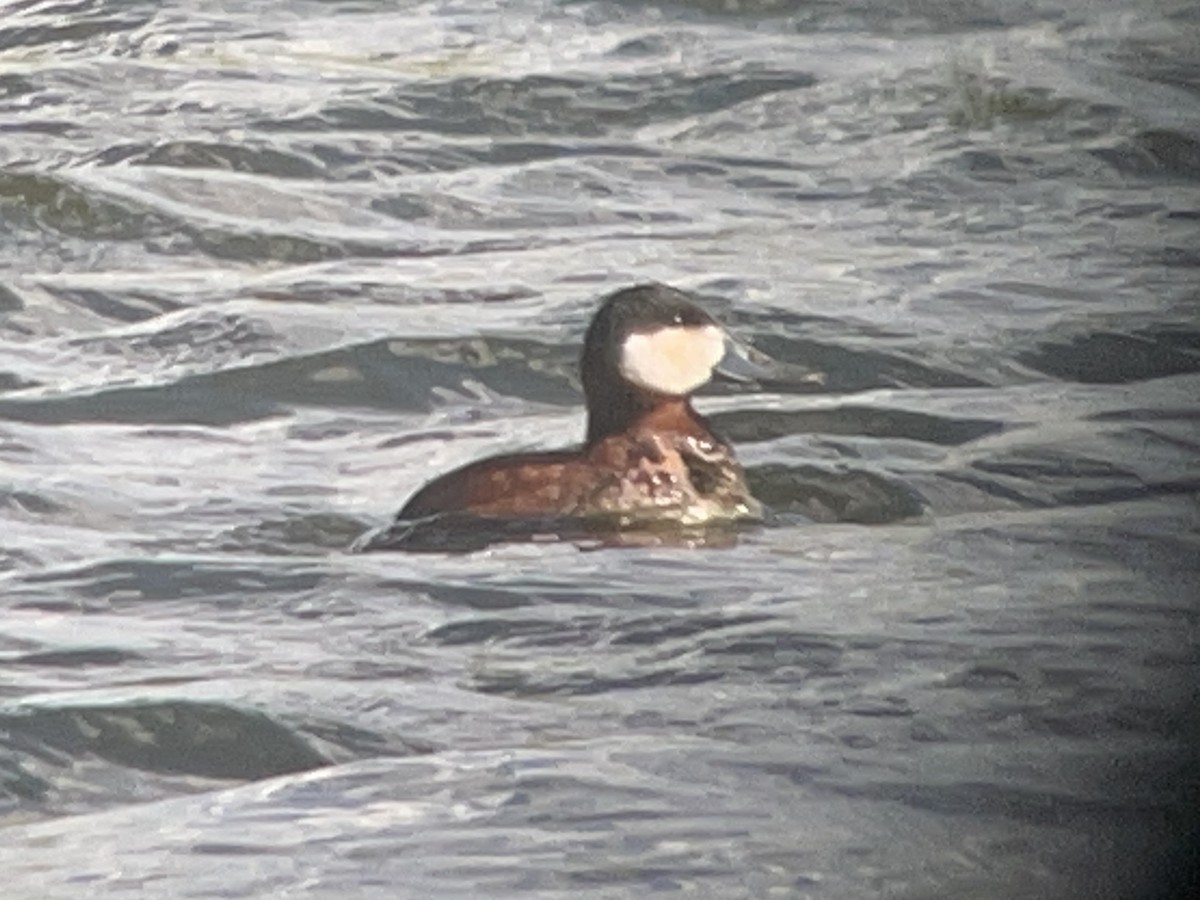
{"x": 666, "y": 464}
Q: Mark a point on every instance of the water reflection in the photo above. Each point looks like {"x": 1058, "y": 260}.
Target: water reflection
{"x": 466, "y": 533}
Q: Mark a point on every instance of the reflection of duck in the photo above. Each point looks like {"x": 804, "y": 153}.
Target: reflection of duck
{"x": 648, "y": 455}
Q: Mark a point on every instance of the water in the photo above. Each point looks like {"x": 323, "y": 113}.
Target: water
{"x": 269, "y": 267}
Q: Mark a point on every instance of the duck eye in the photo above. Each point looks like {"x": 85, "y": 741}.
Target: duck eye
{"x": 677, "y": 318}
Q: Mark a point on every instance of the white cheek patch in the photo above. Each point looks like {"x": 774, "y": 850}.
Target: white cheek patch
{"x": 673, "y": 361}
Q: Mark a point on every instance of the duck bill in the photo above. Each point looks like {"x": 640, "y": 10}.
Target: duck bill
{"x": 742, "y": 363}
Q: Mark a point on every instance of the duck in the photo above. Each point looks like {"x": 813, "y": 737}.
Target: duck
{"x": 647, "y": 456}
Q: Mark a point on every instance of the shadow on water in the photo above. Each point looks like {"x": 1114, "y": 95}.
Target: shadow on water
{"x": 54, "y": 758}
{"x": 830, "y": 495}
{"x": 865, "y": 421}
{"x": 66, "y": 758}
{"x": 1111, "y": 358}
{"x": 187, "y": 738}
{"x": 398, "y": 374}
{"x": 164, "y": 578}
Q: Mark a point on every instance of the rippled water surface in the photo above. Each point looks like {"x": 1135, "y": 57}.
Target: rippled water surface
{"x": 267, "y": 267}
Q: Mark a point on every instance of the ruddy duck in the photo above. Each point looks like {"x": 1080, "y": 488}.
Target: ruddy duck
{"x": 648, "y": 457}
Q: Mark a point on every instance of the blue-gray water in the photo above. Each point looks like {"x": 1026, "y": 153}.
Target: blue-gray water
{"x": 267, "y": 267}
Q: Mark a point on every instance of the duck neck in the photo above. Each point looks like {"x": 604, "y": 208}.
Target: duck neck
{"x": 626, "y": 410}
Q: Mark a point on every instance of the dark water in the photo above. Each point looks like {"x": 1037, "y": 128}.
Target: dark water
{"x": 269, "y": 266}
